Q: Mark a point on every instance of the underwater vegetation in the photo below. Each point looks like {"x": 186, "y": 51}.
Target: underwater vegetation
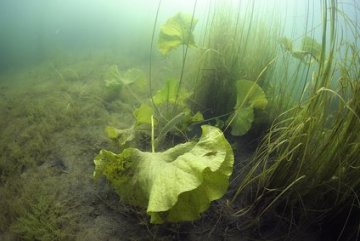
{"x": 310, "y": 49}
{"x": 42, "y": 120}
{"x": 250, "y": 133}
{"x": 285, "y": 169}
{"x": 305, "y": 167}
{"x": 194, "y": 174}
{"x": 177, "y": 31}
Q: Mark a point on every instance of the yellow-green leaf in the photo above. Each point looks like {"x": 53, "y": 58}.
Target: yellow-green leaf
{"x": 249, "y": 96}
{"x": 177, "y": 31}
{"x": 175, "y": 185}
{"x": 143, "y": 114}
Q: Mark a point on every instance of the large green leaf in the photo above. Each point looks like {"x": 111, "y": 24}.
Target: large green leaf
{"x": 113, "y": 77}
{"x": 249, "y": 96}
{"x": 143, "y": 114}
{"x": 122, "y": 136}
{"x": 172, "y": 114}
{"x": 177, "y": 31}
{"x": 168, "y": 94}
{"x": 175, "y": 185}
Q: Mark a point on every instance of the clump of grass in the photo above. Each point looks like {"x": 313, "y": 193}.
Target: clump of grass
{"x": 307, "y": 167}
{"x": 232, "y": 53}
{"x": 33, "y": 209}
{"x": 42, "y": 116}
{"x": 37, "y": 111}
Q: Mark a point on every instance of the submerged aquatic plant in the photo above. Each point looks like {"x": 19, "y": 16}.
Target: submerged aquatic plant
{"x": 250, "y": 96}
{"x": 175, "y": 185}
{"x": 286, "y": 44}
{"x": 177, "y": 31}
{"x": 310, "y": 50}
{"x": 169, "y": 116}
{"x": 199, "y": 171}
{"x": 115, "y": 79}
{"x": 229, "y": 56}
{"x": 306, "y": 167}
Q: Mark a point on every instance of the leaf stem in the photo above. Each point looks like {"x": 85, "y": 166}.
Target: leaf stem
{"x": 152, "y": 135}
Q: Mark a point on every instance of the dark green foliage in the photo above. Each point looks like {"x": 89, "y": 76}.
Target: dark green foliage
{"x": 306, "y": 168}
{"x": 232, "y": 53}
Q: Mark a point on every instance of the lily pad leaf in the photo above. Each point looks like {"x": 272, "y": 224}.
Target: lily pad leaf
{"x": 310, "y": 50}
{"x": 114, "y": 79}
{"x": 198, "y": 117}
{"x": 175, "y": 185}
{"x": 132, "y": 75}
{"x": 249, "y": 96}
{"x": 177, "y": 31}
{"x": 168, "y": 94}
{"x": 242, "y": 121}
{"x": 312, "y": 47}
{"x": 143, "y": 114}
{"x": 123, "y": 136}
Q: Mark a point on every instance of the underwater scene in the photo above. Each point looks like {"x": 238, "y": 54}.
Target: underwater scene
{"x": 217, "y": 120}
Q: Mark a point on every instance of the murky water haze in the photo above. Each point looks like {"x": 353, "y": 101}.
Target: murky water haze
{"x": 74, "y": 72}
{"x": 33, "y": 31}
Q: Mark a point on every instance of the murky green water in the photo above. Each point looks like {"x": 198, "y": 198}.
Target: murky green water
{"x": 70, "y": 70}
